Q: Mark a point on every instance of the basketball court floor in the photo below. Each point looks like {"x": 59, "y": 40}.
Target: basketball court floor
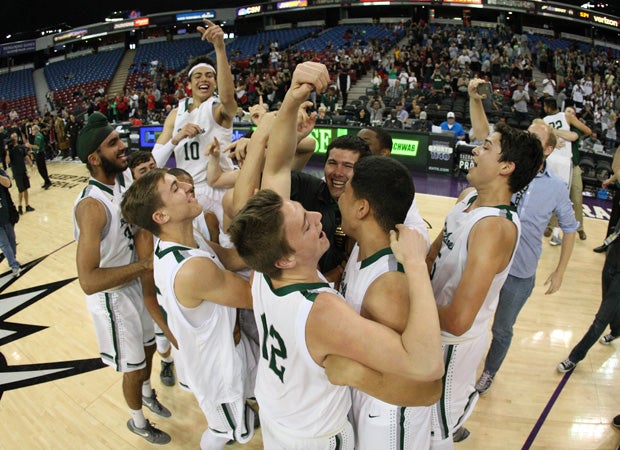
{"x": 55, "y": 393}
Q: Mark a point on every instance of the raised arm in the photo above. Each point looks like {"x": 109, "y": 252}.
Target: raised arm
{"x": 216, "y": 177}
{"x": 226, "y": 110}
{"x": 307, "y": 77}
{"x": 479, "y": 120}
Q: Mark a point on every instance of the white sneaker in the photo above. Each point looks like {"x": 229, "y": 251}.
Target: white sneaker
{"x": 555, "y": 240}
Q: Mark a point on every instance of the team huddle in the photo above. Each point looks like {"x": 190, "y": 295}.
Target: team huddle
{"x": 322, "y": 299}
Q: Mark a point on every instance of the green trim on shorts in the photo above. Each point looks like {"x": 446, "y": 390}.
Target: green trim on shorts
{"x": 113, "y": 327}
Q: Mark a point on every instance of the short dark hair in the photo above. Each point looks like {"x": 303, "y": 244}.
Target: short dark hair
{"x": 142, "y": 199}
{"x": 384, "y": 138}
{"x": 524, "y": 149}
{"x": 387, "y": 186}
{"x": 257, "y": 231}
{"x": 551, "y": 103}
{"x": 139, "y": 157}
{"x": 349, "y": 142}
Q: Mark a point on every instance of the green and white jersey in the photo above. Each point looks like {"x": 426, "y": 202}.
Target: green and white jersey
{"x": 380, "y": 425}
{"x": 359, "y": 275}
{"x": 450, "y": 262}
{"x": 560, "y": 160}
{"x": 190, "y": 153}
{"x": 292, "y": 390}
{"x": 213, "y": 371}
{"x": 117, "y": 238}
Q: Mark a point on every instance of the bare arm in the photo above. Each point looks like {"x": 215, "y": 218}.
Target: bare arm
{"x": 229, "y": 257}
{"x": 5, "y": 181}
{"x": 91, "y": 220}
{"x": 384, "y": 386}
{"x": 249, "y": 176}
{"x": 144, "y": 249}
{"x": 216, "y": 177}
{"x": 490, "y": 244}
{"x": 334, "y": 328}
{"x": 226, "y": 110}
{"x": 574, "y": 121}
{"x": 479, "y": 119}
{"x": 281, "y": 148}
{"x": 566, "y": 134}
{"x": 199, "y": 279}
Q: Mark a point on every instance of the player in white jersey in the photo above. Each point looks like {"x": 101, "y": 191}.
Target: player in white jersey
{"x": 375, "y": 199}
{"x": 380, "y": 143}
{"x": 471, "y": 258}
{"x": 140, "y": 163}
{"x": 199, "y": 298}
{"x": 109, "y": 273}
{"x": 193, "y": 125}
{"x": 561, "y": 159}
{"x": 301, "y": 320}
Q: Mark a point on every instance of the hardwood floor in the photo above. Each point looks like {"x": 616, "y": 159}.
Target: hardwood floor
{"x": 86, "y": 410}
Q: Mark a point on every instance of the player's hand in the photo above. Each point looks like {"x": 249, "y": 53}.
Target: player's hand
{"x": 238, "y": 149}
{"x": 190, "y": 130}
{"x": 213, "y": 149}
{"x": 257, "y": 111}
{"x": 342, "y": 371}
{"x": 308, "y": 76}
{"x": 408, "y": 245}
{"x": 212, "y": 33}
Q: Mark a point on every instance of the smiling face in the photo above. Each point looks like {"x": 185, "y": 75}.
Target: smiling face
{"x": 346, "y": 205}
{"x": 339, "y": 169}
{"x": 203, "y": 83}
{"x": 178, "y": 199}
{"x": 112, "y": 154}
{"x": 143, "y": 168}
{"x": 304, "y": 233}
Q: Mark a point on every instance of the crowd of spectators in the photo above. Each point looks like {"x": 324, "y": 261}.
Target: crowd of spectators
{"x": 414, "y": 85}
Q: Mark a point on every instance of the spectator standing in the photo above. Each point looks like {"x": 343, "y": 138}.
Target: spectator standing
{"x": 8, "y": 244}
{"x": 520, "y": 99}
{"x": 18, "y": 158}
{"x": 38, "y": 148}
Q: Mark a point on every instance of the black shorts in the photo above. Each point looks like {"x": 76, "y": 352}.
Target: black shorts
{"x": 22, "y": 181}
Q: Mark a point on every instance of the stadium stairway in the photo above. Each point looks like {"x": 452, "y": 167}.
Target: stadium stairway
{"x": 41, "y": 88}
{"x": 120, "y": 77}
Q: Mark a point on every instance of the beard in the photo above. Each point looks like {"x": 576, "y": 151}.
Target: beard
{"x": 109, "y": 167}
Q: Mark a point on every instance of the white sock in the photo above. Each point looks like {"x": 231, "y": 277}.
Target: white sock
{"x": 168, "y": 358}
{"x": 138, "y": 418}
{"x": 147, "y": 390}
{"x": 163, "y": 344}
{"x": 556, "y": 232}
